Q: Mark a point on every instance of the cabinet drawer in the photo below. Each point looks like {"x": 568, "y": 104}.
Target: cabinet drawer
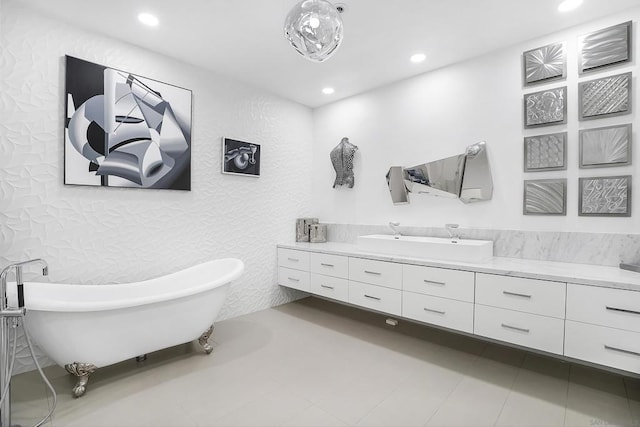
{"x": 379, "y": 273}
{"x": 528, "y": 295}
{"x": 438, "y": 311}
{"x": 330, "y": 265}
{"x": 293, "y": 278}
{"x": 438, "y": 282}
{"x": 616, "y": 308}
{"x": 529, "y": 330}
{"x": 330, "y": 287}
{"x": 292, "y": 258}
{"x": 605, "y": 346}
{"x": 376, "y": 297}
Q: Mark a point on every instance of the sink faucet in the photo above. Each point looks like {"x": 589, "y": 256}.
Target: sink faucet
{"x": 393, "y": 225}
{"x": 17, "y": 267}
{"x": 452, "y": 229}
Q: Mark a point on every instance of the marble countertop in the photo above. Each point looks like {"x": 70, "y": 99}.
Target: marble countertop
{"x": 585, "y": 274}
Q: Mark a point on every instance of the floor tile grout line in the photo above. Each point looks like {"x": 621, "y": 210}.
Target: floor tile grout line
{"x": 510, "y": 389}
{"x": 626, "y": 393}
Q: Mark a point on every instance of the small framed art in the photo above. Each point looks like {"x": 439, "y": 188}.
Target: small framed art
{"x": 605, "y": 97}
{"x": 606, "y": 146}
{"x": 605, "y": 196}
{"x": 545, "y": 63}
{"x": 545, "y": 152}
{"x": 606, "y": 47}
{"x": 545, "y": 197}
{"x": 240, "y": 158}
{"x": 545, "y": 108}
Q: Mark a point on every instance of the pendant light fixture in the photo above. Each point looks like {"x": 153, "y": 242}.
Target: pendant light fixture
{"x": 314, "y": 29}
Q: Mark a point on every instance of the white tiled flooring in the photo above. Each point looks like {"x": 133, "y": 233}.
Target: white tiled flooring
{"x": 316, "y": 363}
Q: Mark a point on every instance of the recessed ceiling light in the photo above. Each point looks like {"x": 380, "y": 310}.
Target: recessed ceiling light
{"x": 148, "y": 19}
{"x": 568, "y": 5}
{"x": 328, "y": 90}
{"x": 418, "y": 57}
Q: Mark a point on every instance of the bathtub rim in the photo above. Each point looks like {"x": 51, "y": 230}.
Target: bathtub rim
{"x": 234, "y": 270}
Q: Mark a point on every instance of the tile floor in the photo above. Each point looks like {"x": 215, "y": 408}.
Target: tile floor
{"x": 317, "y": 363}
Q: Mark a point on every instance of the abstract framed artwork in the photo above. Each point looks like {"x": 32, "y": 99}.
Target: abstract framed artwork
{"x": 605, "y": 196}
{"x": 605, "y": 146}
{"x": 545, "y": 63}
{"x": 545, "y": 152}
{"x": 605, "y": 97}
{"x": 240, "y": 158}
{"x": 124, "y": 130}
{"x": 545, "y": 197}
{"x": 545, "y": 108}
{"x": 605, "y": 47}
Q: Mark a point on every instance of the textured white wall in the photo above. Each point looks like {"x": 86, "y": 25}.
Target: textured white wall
{"x": 109, "y": 235}
{"x": 438, "y": 114}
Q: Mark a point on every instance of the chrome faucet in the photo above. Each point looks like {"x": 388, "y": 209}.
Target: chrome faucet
{"x": 452, "y": 229}
{"x": 393, "y": 225}
{"x": 17, "y": 267}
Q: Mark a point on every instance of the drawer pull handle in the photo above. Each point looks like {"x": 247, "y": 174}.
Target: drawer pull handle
{"x": 430, "y": 310}
{"x": 326, "y": 265}
{"x": 293, "y": 279}
{"x": 623, "y": 310}
{"x": 293, "y": 259}
{"x": 514, "y": 294}
{"x": 431, "y": 282}
{"x": 621, "y": 350}
{"x": 373, "y": 272}
{"x": 370, "y": 297}
{"x": 515, "y": 328}
{"x": 327, "y": 287}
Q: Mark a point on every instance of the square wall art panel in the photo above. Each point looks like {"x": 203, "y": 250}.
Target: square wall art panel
{"x": 605, "y": 47}
{"x": 125, "y": 130}
{"x": 545, "y": 197}
{"x": 605, "y": 196}
{"x": 545, "y": 108}
{"x": 606, "y": 146}
{"x": 545, "y": 152}
{"x": 605, "y": 97}
{"x": 544, "y": 63}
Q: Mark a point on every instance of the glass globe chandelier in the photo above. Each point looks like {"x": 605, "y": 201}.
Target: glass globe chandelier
{"x": 314, "y": 29}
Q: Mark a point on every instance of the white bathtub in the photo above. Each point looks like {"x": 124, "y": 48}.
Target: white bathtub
{"x": 84, "y": 327}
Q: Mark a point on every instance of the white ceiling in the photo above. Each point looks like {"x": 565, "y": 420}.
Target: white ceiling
{"x": 244, "y": 39}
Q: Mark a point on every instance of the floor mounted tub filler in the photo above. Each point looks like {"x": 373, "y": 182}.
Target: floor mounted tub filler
{"x": 85, "y": 327}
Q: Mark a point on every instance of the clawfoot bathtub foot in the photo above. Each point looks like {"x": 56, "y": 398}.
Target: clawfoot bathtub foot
{"x": 82, "y": 371}
{"x": 208, "y": 348}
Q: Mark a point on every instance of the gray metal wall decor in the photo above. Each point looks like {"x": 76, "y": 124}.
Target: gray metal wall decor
{"x": 545, "y": 63}
{"x": 605, "y": 196}
{"x": 605, "y": 97}
{"x": 545, "y": 108}
{"x": 605, "y": 47}
{"x": 605, "y": 146}
{"x": 545, "y": 197}
{"x": 342, "y": 159}
{"x": 545, "y": 152}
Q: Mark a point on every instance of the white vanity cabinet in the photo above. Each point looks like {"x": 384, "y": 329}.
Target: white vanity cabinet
{"x": 376, "y": 285}
{"x": 603, "y": 326}
{"x": 527, "y": 312}
{"x": 293, "y": 269}
{"x": 438, "y": 296}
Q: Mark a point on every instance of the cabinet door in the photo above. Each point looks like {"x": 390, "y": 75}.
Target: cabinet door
{"x": 444, "y": 312}
{"x": 330, "y": 265}
{"x": 381, "y": 273}
{"x": 330, "y": 287}
{"x": 291, "y": 258}
{"x": 377, "y": 298}
{"x": 527, "y": 295}
{"x": 616, "y": 308}
{"x": 293, "y": 278}
{"x": 440, "y": 282}
{"x": 529, "y": 330}
{"x": 602, "y": 345}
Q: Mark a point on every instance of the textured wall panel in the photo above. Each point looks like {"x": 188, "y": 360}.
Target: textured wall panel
{"x": 608, "y": 146}
{"x": 605, "y": 47}
{"x": 608, "y": 96}
{"x": 114, "y": 235}
{"x": 545, "y": 63}
{"x": 545, "y": 197}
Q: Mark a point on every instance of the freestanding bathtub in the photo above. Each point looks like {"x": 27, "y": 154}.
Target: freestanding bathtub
{"x": 85, "y": 327}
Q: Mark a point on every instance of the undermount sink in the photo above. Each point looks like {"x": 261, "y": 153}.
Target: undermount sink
{"x": 464, "y": 250}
